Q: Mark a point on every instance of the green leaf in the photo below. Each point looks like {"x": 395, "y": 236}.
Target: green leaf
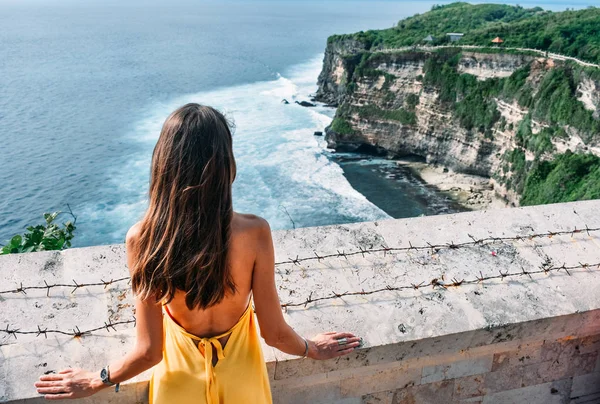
{"x": 42, "y": 237}
{"x": 16, "y": 241}
{"x": 49, "y": 217}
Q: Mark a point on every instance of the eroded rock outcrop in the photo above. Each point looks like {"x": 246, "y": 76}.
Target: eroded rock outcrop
{"x": 337, "y": 70}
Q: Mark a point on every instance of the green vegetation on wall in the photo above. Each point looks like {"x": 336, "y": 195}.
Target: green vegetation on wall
{"x": 50, "y": 236}
{"x": 539, "y": 143}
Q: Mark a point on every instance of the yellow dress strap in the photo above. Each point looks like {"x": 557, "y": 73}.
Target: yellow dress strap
{"x": 212, "y": 395}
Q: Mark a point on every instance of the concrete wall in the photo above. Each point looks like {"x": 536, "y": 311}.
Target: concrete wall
{"x": 518, "y": 339}
{"x": 546, "y": 361}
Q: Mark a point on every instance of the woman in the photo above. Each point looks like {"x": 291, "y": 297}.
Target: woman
{"x": 199, "y": 270}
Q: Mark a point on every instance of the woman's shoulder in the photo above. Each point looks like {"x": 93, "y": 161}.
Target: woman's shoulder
{"x": 250, "y": 234}
{"x": 133, "y": 234}
{"x": 247, "y": 222}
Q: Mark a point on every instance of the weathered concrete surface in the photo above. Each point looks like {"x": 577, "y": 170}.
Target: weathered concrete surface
{"x": 419, "y": 343}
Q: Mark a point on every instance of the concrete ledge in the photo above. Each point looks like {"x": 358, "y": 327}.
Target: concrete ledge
{"x": 493, "y": 340}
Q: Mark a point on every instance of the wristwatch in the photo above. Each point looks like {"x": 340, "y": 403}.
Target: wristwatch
{"x": 105, "y": 377}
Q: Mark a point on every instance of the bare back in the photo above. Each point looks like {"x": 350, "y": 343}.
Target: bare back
{"x": 241, "y": 257}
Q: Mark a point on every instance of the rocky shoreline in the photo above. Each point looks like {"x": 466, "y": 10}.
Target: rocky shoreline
{"x": 395, "y": 188}
{"x": 470, "y": 191}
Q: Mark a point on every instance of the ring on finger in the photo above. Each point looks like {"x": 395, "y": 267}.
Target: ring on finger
{"x": 342, "y": 341}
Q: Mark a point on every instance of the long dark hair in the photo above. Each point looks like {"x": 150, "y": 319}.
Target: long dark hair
{"x": 185, "y": 232}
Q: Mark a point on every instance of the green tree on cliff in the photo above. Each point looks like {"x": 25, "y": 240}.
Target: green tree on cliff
{"x": 573, "y": 33}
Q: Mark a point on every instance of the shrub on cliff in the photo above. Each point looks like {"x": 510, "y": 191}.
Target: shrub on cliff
{"x": 46, "y": 237}
{"x": 518, "y": 168}
{"x": 341, "y": 126}
{"x": 556, "y": 102}
{"x": 401, "y": 115}
{"x": 569, "y": 177}
{"x": 472, "y": 100}
{"x": 571, "y": 33}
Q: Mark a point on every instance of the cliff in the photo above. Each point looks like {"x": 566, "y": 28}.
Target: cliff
{"x": 525, "y": 114}
{"x": 337, "y": 70}
{"x": 492, "y": 113}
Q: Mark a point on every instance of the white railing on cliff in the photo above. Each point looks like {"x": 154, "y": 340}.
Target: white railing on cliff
{"x": 550, "y": 55}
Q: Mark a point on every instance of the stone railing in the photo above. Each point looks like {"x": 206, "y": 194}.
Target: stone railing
{"x": 449, "y": 313}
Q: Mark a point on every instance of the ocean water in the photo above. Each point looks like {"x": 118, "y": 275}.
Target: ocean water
{"x": 283, "y": 172}
{"x": 85, "y": 87}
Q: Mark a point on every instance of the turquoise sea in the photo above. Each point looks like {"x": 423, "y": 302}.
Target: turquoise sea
{"x": 85, "y": 87}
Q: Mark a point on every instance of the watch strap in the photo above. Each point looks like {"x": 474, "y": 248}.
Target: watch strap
{"x": 105, "y": 376}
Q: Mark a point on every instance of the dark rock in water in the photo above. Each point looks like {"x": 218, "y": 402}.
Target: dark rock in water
{"x": 284, "y": 101}
{"x": 305, "y": 104}
{"x": 318, "y": 133}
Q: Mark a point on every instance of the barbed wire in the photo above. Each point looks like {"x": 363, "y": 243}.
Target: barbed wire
{"x": 437, "y": 247}
{"x": 339, "y": 254}
{"x": 75, "y": 285}
{"x": 546, "y": 268}
{"x": 439, "y": 283}
{"x": 74, "y": 332}
{"x": 435, "y": 283}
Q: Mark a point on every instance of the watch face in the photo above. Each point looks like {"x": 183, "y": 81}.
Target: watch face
{"x": 104, "y": 375}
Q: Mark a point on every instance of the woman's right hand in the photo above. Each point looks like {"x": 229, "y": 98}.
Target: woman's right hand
{"x": 332, "y": 344}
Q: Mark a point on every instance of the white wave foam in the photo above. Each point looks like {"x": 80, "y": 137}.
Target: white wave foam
{"x": 280, "y": 162}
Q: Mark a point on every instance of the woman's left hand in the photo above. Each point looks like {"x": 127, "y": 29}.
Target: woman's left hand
{"x": 69, "y": 383}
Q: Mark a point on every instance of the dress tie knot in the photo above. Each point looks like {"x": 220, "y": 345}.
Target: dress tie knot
{"x": 212, "y": 395}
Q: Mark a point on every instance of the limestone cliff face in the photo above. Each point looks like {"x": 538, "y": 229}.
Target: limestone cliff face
{"x": 422, "y": 124}
{"x": 337, "y": 69}
{"x": 588, "y": 92}
{"x": 485, "y": 66}
{"x": 436, "y": 135}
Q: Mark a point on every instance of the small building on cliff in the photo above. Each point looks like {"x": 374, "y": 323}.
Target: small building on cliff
{"x": 454, "y": 37}
{"x": 497, "y": 41}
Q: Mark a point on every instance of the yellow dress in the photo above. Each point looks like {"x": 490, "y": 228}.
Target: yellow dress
{"x": 186, "y": 373}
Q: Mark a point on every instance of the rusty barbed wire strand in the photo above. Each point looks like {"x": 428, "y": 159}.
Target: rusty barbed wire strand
{"x": 429, "y": 246}
{"x": 74, "y": 332}
{"x": 338, "y": 254}
{"x": 545, "y": 268}
{"x": 441, "y": 283}
{"x": 75, "y": 285}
